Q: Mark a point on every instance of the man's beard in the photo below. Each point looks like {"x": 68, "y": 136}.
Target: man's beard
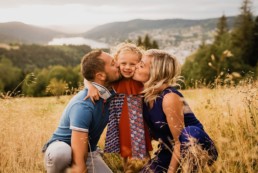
{"x": 109, "y": 81}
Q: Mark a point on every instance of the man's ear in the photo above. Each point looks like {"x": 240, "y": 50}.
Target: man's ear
{"x": 101, "y": 76}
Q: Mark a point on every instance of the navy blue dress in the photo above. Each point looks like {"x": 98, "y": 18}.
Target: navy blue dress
{"x": 159, "y": 129}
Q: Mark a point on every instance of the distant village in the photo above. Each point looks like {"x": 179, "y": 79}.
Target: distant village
{"x": 180, "y": 42}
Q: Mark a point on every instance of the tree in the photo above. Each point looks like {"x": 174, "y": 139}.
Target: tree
{"x": 210, "y": 61}
{"x": 146, "y": 43}
{"x": 155, "y": 44}
{"x": 57, "y": 72}
{"x": 139, "y": 41}
{"x": 196, "y": 67}
{"x": 221, "y": 29}
{"x": 221, "y": 58}
{"x": 10, "y": 76}
{"x": 243, "y": 34}
{"x": 1, "y": 86}
{"x": 254, "y": 54}
{"x": 36, "y": 85}
{"x": 68, "y": 74}
{"x": 57, "y": 87}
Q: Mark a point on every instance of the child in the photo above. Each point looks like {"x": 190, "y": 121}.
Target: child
{"x": 126, "y": 132}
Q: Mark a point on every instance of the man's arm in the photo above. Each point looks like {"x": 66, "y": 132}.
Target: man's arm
{"x": 79, "y": 144}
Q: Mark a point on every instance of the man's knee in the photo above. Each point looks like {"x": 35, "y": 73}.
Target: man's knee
{"x": 58, "y": 157}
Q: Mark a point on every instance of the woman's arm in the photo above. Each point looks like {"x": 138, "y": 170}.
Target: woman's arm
{"x": 93, "y": 92}
{"x": 172, "y": 106}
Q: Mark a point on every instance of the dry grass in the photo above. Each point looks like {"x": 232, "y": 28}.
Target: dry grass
{"x": 229, "y": 116}
{"x": 25, "y": 125}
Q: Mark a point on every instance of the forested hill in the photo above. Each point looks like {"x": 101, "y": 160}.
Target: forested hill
{"x": 121, "y": 30}
{"x": 30, "y": 57}
{"x": 17, "y": 32}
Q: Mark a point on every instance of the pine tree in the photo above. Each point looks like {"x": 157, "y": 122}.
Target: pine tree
{"x": 139, "y": 41}
{"x": 155, "y": 44}
{"x": 219, "y": 60}
{"x": 222, "y": 28}
{"x": 254, "y": 54}
{"x": 146, "y": 42}
{"x": 242, "y": 34}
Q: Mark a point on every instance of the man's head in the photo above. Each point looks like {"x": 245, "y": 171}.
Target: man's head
{"x": 98, "y": 66}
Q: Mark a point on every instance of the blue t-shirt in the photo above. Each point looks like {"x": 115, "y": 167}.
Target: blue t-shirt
{"x": 82, "y": 115}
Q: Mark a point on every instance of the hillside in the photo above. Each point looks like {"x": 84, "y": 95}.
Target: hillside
{"x": 179, "y": 36}
{"x": 22, "y": 33}
{"x": 30, "y": 57}
{"x": 122, "y": 29}
{"x": 111, "y": 32}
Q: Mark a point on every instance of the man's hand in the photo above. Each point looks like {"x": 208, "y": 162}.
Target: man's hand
{"x": 76, "y": 169}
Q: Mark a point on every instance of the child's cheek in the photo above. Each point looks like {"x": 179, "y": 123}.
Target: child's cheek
{"x": 120, "y": 68}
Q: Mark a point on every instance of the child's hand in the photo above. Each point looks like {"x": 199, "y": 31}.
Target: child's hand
{"x": 93, "y": 93}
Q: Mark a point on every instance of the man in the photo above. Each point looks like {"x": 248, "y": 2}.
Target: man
{"x": 74, "y": 142}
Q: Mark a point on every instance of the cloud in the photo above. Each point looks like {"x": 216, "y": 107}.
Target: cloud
{"x": 15, "y": 3}
{"x": 96, "y": 12}
{"x": 187, "y": 4}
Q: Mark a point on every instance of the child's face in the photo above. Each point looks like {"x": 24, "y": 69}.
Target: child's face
{"x": 127, "y": 62}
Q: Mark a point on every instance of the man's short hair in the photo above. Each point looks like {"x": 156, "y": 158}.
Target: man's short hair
{"x": 92, "y": 64}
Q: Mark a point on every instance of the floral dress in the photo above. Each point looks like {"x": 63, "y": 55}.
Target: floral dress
{"x": 127, "y": 133}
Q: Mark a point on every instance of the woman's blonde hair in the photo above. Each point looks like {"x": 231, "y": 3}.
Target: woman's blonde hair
{"x": 127, "y": 47}
{"x": 164, "y": 69}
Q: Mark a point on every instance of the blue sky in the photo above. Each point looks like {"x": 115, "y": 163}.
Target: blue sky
{"x": 81, "y": 15}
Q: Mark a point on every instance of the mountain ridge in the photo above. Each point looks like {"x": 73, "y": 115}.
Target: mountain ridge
{"x": 110, "y": 32}
{"x": 122, "y": 29}
{"x": 19, "y": 32}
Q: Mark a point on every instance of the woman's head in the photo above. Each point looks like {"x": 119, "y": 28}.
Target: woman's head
{"x": 157, "y": 68}
{"x": 127, "y": 56}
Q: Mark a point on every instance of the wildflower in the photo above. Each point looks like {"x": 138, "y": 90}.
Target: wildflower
{"x": 212, "y": 57}
{"x": 236, "y": 75}
{"x": 227, "y": 53}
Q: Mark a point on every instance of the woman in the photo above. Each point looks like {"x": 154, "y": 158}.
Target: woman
{"x": 168, "y": 116}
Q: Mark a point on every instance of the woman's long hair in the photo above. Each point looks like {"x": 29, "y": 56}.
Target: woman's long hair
{"x": 164, "y": 69}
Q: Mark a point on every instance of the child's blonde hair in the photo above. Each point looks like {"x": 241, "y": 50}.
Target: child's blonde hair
{"x": 127, "y": 47}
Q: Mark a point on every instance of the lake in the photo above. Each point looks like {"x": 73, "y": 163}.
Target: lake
{"x": 78, "y": 41}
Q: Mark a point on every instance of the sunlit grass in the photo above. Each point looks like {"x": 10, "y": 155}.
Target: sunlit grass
{"x": 229, "y": 116}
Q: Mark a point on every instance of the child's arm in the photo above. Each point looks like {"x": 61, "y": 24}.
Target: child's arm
{"x": 93, "y": 92}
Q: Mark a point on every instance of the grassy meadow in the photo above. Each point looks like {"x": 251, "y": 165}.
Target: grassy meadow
{"x": 229, "y": 116}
